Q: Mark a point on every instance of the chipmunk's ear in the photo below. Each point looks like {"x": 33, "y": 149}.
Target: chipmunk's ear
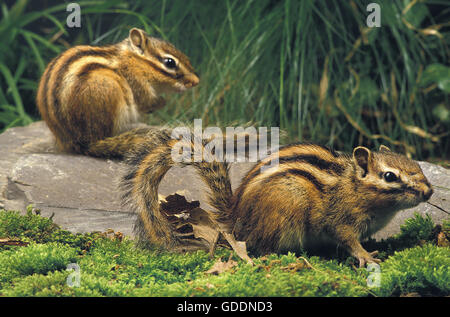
{"x": 138, "y": 38}
{"x": 384, "y": 148}
{"x": 362, "y": 157}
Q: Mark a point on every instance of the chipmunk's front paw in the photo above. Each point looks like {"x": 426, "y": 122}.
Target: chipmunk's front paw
{"x": 158, "y": 103}
{"x": 366, "y": 257}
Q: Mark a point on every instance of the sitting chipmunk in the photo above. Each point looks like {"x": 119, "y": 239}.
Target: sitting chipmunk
{"x": 93, "y": 98}
{"x": 314, "y": 196}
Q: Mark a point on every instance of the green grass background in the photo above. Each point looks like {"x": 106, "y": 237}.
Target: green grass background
{"x": 312, "y": 68}
{"x": 413, "y": 264}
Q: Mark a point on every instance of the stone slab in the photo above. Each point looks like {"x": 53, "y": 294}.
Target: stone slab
{"x": 81, "y": 193}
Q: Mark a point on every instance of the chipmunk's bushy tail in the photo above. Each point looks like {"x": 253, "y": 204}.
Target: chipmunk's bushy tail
{"x": 119, "y": 146}
{"x": 146, "y": 166}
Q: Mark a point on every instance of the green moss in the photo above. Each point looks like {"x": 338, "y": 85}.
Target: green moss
{"x": 51, "y": 284}
{"x": 422, "y": 269}
{"x": 274, "y": 278}
{"x": 116, "y": 267}
{"x": 416, "y": 229}
{"x": 35, "y": 258}
{"x": 33, "y": 227}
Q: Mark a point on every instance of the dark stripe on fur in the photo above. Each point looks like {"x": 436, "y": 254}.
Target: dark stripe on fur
{"x": 296, "y": 172}
{"x": 307, "y": 158}
{"x": 315, "y": 161}
{"x": 63, "y": 70}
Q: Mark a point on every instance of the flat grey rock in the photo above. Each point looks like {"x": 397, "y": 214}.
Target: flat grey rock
{"x": 81, "y": 193}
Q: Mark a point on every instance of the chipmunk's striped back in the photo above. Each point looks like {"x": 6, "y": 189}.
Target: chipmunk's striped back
{"x": 64, "y": 82}
{"x": 316, "y": 195}
{"x": 303, "y": 170}
{"x": 311, "y": 163}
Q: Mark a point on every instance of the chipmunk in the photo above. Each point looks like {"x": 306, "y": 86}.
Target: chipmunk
{"x": 313, "y": 197}
{"x": 94, "y": 98}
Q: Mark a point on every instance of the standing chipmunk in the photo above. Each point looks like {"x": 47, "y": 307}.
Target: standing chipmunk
{"x": 313, "y": 197}
{"x": 93, "y": 98}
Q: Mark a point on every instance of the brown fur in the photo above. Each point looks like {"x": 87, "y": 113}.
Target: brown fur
{"x": 313, "y": 197}
{"x": 316, "y": 195}
{"x": 89, "y": 95}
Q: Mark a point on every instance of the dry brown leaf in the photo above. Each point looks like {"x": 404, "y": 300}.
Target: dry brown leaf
{"x": 118, "y": 236}
{"x": 112, "y": 235}
{"x": 301, "y": 264}
{"x": 274, "y": 262}
{"x": 239, "y": 247}
{"x": 199, "y": 289}
{"x": 442, "y": 240}
{"x": 204, "y": 228}
{"x": 196, "y": 228}
{"x": 294, "y": 267}
{"x": 220, "y": 267}
{"x": 175, "y": 204}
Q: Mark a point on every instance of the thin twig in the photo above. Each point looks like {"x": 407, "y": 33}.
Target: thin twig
{"x": 438, "y": 207}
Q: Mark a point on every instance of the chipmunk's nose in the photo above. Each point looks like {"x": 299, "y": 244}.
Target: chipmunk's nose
{"x": 192, "y": 81}
{"x": 427, "y": 193}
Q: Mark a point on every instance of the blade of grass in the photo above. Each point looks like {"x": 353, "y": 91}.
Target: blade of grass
{"x": 15, "y": 93}
{"x": 40, "y": 62}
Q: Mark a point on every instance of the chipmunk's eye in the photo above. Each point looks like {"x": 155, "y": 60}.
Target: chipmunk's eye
{"x": 170, "y": 63}
{"x": 390, "y": 177}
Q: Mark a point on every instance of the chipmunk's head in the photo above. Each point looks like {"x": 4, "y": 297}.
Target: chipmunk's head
{"x": 392, "y": 180}
{"x": 172, "y": 69}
